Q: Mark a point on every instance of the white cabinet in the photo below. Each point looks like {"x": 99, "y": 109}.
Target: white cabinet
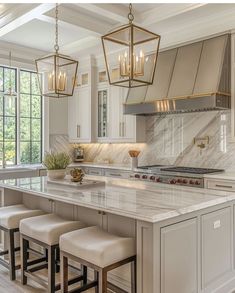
{"x": 113, "y": 125}
{"x": 179, "y": 257}
{"x": 79, "y": 118}
{"x": 103, "y": 110}
{"x": 216, "y": 246}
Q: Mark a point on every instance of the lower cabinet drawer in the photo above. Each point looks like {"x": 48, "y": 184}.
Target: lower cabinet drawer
{"x": 216, "y": 237}
{"x": 115, "y": 173}
{"x": 220, "y": 184}
{"x": 95, "y": 171}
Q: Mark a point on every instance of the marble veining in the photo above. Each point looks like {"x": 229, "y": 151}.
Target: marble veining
{"x": 133, "y": 199}
{"x": 170, "y": 141}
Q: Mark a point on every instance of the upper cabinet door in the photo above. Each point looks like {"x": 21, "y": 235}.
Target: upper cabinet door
{"x": 161, "y": 82}
{"x": 79, "y": 118}
{"x": 185, "y": 70}
{"x": 211, "y": 64}
{"x": 84, "y": 115}
{"x": 103, "y": 113}
{"x": 72, "y": 116}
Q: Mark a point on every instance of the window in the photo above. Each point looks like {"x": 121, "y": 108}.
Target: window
{"x": 8, "y": 118}
{"x": 30, "y": 118}
{"x": 20, "y": 118}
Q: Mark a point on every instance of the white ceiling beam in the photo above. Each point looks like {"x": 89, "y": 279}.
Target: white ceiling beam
{"x": 166, "y": 11}
{"x": 26, "y": 17}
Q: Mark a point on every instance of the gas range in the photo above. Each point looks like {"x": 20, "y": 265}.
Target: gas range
{"x": 185, "y": 176}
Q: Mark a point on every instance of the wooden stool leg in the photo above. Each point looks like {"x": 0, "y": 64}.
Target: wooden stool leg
{"x": 84, "y": 274}
{"x": 64, "y": 273}
{"x": 103, "y": 281}
{"x": 57, "y": 266}
{"x": 133, "y": 276}
{"x": 51, "y": 269}
{"x": 96, "y": 278}
{"x": 24, "y": 245}
{"x": 12, "y": 255}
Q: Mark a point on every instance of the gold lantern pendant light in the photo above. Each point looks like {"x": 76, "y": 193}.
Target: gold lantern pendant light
{"x": 10, "y": 91}
{"x": 130, "y": 54}
{"x": 57, "y": 73}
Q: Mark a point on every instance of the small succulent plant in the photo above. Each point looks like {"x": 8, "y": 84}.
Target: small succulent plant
{"x": 56, "y": 161}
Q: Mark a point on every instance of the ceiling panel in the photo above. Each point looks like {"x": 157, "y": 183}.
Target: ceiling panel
{"x": 41, "y": 35}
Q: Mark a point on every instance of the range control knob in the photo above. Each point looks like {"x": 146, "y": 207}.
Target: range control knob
{"x": 185, "y": 181}
{"x": 191, "y": 182}
{"x": 144, "y": 177}
{"x": 158, "y": 179}
{"x": 152, "y": 178}
{"x": 179, "y": 180}
{"x": 137, "y": 176}
{"x": 172, "y": 181}
{"x": 197, "y": 182}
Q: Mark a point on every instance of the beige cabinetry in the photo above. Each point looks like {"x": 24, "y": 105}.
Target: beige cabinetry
{"x": 179, "y": 257}
{"x": 216, "y": 245}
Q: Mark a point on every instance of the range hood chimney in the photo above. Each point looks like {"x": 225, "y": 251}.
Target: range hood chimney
{"x": 195, "y": 77}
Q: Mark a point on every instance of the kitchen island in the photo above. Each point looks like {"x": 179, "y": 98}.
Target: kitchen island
{"x": 184, "y": 236}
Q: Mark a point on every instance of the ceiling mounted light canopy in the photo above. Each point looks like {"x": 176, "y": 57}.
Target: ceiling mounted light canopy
{"x": 10, "y": 91}
{"x": 134, "y": 50}
{"x": 59, "y": 71}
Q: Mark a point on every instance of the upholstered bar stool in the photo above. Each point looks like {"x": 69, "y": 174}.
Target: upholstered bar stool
{"x": 10, "y": 217}
{"x": 100, "y": 251}
{"x": 45, "y": 231}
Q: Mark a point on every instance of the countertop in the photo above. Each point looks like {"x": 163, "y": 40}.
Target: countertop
{"x": 124, "y": 167}
{"x": 21, "y": 168}
{"x": 142, "y": 201}
{"x": 221, "y": 176}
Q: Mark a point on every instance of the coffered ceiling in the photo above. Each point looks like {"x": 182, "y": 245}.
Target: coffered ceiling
{"x": 81, "y": 25}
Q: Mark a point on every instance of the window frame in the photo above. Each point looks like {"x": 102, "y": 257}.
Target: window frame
{"x": 15, "y": 116}
{"x": 30, "y": 117}
{"x": 18, "y": 69}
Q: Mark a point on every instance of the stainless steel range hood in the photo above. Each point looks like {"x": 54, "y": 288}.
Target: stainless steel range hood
{"x": 191, "y": 78}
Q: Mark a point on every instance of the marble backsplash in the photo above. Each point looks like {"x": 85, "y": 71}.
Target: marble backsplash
{"x": 170, "y": 140}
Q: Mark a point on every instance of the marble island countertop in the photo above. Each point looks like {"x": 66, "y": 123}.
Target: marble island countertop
{"x": 142, "y": 201}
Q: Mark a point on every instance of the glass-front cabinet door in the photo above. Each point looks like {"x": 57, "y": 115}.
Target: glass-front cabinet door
{"x": 103, "y": 113}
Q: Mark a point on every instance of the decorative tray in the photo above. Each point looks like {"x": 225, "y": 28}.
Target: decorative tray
{"x": 86, "y": 183}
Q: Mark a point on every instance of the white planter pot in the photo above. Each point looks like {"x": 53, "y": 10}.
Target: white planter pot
{"x": 56, "y": 174}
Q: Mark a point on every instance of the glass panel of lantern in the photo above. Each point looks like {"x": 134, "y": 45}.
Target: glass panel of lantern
{"x": 134, "y": 51}
{"x": 59, "y": 75}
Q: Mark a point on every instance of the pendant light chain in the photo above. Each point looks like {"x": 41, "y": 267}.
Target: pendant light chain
{"x": 130, "y": 14}
{"x": 56, "y": 47}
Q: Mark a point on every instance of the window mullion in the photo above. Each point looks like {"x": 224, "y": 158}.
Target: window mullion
{"x": 18, "y": 116}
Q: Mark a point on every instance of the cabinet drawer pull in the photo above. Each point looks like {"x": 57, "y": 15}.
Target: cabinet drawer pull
{"x": 94, "y": 172}
{"x": 123, "y": 129}
{"x": 78, "y": 130}
{"x": 112, "y": 174}
{"x": 223, "y": 186}
{"x": 120, "y": 129}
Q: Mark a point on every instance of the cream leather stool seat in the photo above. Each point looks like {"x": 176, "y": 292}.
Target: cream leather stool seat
{"x": 48, "y": 228}
{"x": 45, "y": 231}
{"x": 97, "y": 246}
{"x": 98, "y": 250}
{"x": 10, "y": 216}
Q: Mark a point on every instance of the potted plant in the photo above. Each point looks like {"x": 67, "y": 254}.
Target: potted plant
{"x": 56, "y": 164}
